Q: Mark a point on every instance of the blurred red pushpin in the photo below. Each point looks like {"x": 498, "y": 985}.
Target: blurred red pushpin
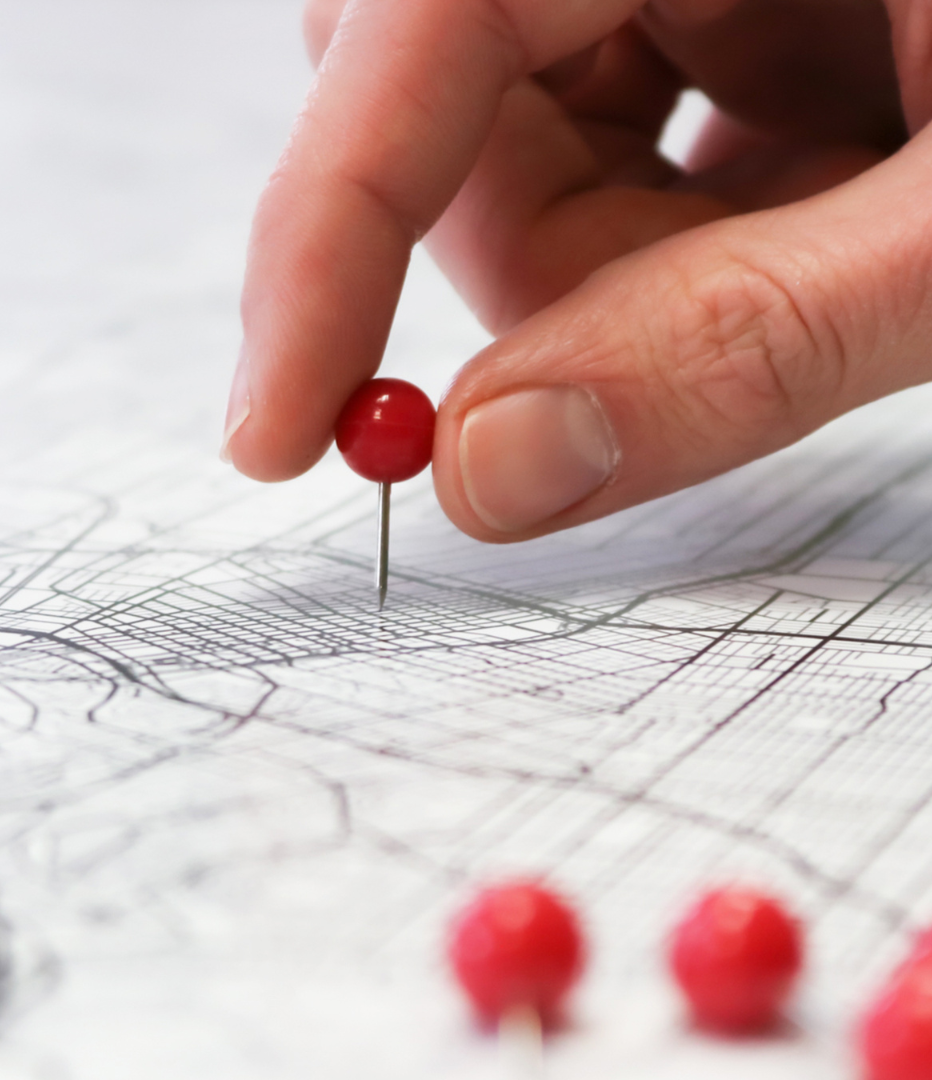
{"x": 896, "y": 1033}
{"x": 922, "y": 949}
{"x": 386, "y": 434}
{"x": 736, "y": 956}
{"x": 896, "y": 1037}
{"x": 516, "y": 951}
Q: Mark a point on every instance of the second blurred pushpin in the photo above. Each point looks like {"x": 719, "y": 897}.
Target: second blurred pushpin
{"x": 517, "y": 951}
{"x": 386, "y": 434}
{"x": 736, "y": 956}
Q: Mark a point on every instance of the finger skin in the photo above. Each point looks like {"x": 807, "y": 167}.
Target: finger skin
{"x": 912, "y": 42}
{"x": 320, "y": 23}
{"x": 627, "y": 82}
{"x": 810, "y": 69}
{"x": 771, "y": 176}
{"x": 726, "y": 343}
{"x": 404, "y": 100}
{"x": 552, "y": 198}
{"x": 536, "y": 216}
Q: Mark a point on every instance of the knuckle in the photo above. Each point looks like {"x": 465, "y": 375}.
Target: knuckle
{"x": 750, "y": 355}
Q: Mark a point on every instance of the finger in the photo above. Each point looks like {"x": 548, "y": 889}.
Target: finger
{"x": 550, "y": 201}
{"x": 625, "y": 81}
{"x": 912, "y": 42}
{"x": 545, "y": 206}
{"x": 320, "y": 23}
{"x": 791, "y": 68}
{"x": 776, "y": 173}
{"x": 694, "y": 356}
{"x": 405, "y": 98}
{"x": 753, "y": 171}
{"x": 569, "y": 71}
{"x": 721, "y": 140}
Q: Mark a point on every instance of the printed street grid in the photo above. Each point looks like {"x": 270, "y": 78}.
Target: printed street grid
{"x": 236, "y": 805}
{"x": 732, "y": 682}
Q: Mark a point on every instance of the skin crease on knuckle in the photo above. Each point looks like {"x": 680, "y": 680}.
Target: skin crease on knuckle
{"x": 744, "y": 356}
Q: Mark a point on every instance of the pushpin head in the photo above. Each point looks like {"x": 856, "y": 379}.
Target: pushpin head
{"x": 386, "y": 431}
{"x": 517, "y": 947}
{"x": 736, "y": 956}
{"x": 922, "y": 949}
{"x": 896, "y": 1035}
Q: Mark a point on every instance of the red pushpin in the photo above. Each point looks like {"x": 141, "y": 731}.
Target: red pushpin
{"x": 922, "y": 948}
{"x": 896, "y": 1033}
{"x": 517, "y": 950}
{"x": 736, "y": 957}
{"x": 386, "y": 434}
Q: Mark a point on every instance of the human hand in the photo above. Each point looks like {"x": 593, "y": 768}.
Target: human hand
{"x": 656, "y": 327}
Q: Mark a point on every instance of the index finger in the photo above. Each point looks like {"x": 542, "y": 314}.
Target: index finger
{"x": 404, "y": 100}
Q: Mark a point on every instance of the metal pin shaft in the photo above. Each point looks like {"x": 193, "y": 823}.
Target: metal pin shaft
{"x": 381, "y": 562}
{"x": 521, "y": 1044}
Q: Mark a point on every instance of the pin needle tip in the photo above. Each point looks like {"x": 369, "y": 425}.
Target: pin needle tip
{"x": 381, "y": 562}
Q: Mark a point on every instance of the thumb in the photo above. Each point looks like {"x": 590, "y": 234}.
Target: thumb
{"x": 694, "y": 356}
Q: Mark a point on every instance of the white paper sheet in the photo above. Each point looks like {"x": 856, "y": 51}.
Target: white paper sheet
{"x": 236, "y": 805}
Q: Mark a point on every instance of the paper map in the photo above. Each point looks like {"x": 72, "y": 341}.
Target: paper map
{"x": 237, "y": 806}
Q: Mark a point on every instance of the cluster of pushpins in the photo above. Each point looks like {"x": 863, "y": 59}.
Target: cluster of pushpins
{"x": 518, "y": 949}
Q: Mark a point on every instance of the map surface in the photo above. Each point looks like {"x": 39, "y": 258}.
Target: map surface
{"x": 237, "y": 805}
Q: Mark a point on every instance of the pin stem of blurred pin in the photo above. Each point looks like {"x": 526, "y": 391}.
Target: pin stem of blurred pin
{"x": 381, "y": 562}
{"x": 521, "y": 1041}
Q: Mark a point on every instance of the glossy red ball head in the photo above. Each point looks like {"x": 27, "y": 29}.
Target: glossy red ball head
{"x": 386, "y": 431}
{"x": 517, "y": 946}
{"x": 896, "y": 1036}
{"x": 736, "y": 957}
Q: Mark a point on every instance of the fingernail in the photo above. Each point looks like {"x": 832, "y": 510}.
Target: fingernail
{"x": 238, "y": 407}
{"x": 529, "y": 455}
